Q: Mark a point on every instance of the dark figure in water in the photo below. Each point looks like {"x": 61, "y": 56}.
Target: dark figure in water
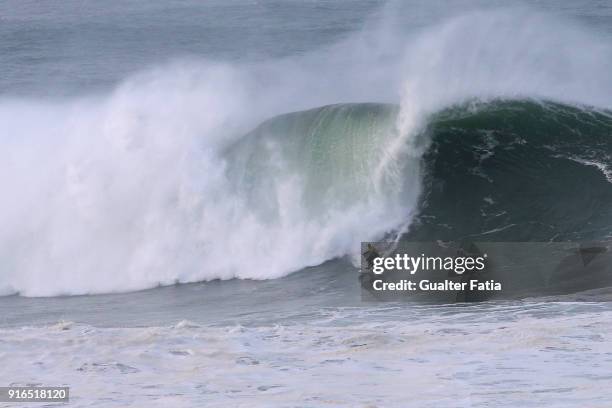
{"x": 370, "y": 255}
{"x": 366, "y": 277}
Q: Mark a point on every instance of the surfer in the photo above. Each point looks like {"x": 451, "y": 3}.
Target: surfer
{"x": 370, "y": 255}
{"x": 366, "y": 276}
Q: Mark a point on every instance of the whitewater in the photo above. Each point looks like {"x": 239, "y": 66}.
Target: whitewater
{"x": 185, "y": 188}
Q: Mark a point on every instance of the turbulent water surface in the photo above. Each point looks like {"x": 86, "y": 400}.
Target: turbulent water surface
{"x": 186, "y": 187}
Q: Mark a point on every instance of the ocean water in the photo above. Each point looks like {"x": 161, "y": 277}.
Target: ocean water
{"x": 186, "y": 186}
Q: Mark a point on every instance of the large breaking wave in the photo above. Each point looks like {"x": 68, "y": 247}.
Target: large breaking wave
{"x": 194, "y": 172}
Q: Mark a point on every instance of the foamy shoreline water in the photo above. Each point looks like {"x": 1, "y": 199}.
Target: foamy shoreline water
{"x": 536, "y": 355}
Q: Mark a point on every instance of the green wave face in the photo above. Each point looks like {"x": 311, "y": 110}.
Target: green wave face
{"x": 335, "y": 154}
{"x": 501, "y": 170}
{"x": 518, "y": 171}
